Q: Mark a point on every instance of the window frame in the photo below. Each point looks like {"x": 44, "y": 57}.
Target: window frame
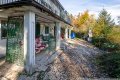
{"x": 47, "y": 31}
{"x": 3, "y": 22}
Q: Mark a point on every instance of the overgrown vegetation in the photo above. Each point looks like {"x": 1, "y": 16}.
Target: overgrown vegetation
{"x": 110, "y": 64}
{"x": 106, "y": 36}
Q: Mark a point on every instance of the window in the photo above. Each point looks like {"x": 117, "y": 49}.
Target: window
{"x": 46, "y": 30}
{"x": 3, "y": 29}
{"x": 37, "y": 29}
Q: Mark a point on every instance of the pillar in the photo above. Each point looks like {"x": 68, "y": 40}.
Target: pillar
{"x": 69, "y": 33}
{"x": 66, "y": 33}
{"x": 29, "y": 41}
{"x": 58, "y": 35}
{"x": 0, "y": 29}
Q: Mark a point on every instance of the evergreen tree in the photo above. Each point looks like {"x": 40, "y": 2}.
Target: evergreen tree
{"x": 103, "y": 24}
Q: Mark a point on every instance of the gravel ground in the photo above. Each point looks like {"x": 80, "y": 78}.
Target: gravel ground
{"x": 75, "y": 62}
{"x": 9, "y": 71}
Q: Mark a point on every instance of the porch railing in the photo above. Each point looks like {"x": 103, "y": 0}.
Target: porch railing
{"x": 2, "y": 2}
{"x": 55, "y": 9}
{"x": 49, "y": 5}
{"x": 46, "y": 3}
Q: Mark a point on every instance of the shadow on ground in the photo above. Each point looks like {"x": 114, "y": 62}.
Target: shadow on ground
{"x": 9, "y": 71}
{"x": 74, "y": 63}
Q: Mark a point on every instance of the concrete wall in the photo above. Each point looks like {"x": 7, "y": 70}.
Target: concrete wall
{"x": 51, "y": 29}
{"x": 2, "y": 45}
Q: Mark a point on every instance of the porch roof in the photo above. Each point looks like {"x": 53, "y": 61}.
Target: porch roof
{"x": 20, "y": 3}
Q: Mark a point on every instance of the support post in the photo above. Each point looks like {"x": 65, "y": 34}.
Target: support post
{"x": 69, "y": 33}
{"x": 66, "y": 33}
{"x": 0, "y": 29}
{"x": 29, "y": 41}
{"x": 58, "y": 35}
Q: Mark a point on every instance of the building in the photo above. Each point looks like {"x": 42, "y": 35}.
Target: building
{"x": 22, "y": 21}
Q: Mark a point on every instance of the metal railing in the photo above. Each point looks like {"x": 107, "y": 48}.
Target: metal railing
{"x": 2, "y": 2}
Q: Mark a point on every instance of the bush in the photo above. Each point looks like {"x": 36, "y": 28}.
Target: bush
{"x": 79, "y": 35}
{"x": 110, "y": 64}
{"x": 108, "y": 46}
{"x": 98, "y": 41}
{"x": 105, "y": 44}
{"x": 114, "y": 36}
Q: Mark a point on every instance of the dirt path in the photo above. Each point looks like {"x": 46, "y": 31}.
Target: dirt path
{"x": 75, "y": 62}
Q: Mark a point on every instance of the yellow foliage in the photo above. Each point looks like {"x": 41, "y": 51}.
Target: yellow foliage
{"x": 84, "y": 21}
{"x": 114, "y": 36}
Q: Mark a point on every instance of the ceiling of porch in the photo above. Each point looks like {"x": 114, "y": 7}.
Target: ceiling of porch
{"x": 41, "y": 16}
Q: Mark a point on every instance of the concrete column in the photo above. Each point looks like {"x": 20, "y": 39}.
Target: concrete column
{"x": 58, "y": 35}
{"x": 69, "y": 33}
{"x": 66, "y": 33}
{"x": 0, "y": 29}
{"x": 29, "y": 41}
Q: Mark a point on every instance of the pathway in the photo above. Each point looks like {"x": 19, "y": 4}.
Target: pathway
{"x": 75, "y": 62}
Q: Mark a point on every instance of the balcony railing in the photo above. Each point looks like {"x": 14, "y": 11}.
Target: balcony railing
{"x": 46, "y": 3}
{"x": 7, "y": 1}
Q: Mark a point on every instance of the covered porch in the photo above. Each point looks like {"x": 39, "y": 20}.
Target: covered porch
{"x": 24, "y": 25}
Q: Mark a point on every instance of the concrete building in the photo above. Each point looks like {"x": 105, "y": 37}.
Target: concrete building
{"x": 22, "y": 21}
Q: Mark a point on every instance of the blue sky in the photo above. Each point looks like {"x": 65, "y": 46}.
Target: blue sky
{"x": 94, "y": 6}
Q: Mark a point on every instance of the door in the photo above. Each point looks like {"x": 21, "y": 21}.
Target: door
{"x": 15, "y": 48}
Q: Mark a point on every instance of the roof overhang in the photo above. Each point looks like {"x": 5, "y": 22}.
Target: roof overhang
{"x": 34, "y": 4}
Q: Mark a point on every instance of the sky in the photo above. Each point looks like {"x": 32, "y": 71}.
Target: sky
{"x": 94, "y": 6}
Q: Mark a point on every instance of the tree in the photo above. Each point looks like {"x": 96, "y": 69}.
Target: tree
{"x": 83, "y": 21}
{"x": 104, "y": 24}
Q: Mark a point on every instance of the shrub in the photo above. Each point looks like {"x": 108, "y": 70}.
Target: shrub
{"x": 105, "y": 44}
{"x": 79, "y": 35}
{"x": 108, "y": 46}
{"x": 98, "y": 41}
{"x": 110, "y": 64}
{"x": 114, "y": 36}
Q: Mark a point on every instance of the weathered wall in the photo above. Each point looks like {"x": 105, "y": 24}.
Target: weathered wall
{"x": 51, "y": 29}
{"x": 2, "y": 45}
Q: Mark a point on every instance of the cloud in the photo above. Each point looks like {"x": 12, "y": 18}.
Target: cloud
{"x": 94, "y": 6}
